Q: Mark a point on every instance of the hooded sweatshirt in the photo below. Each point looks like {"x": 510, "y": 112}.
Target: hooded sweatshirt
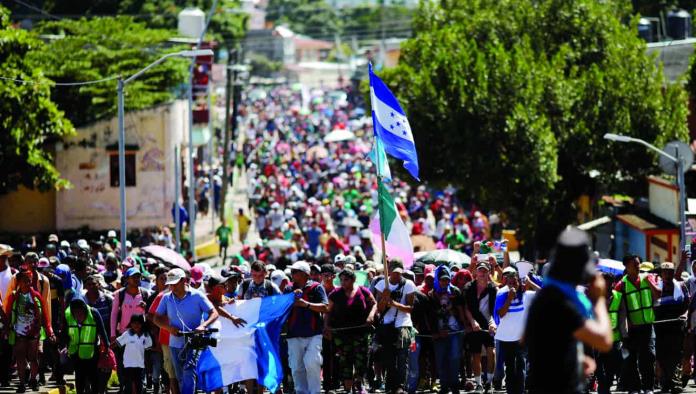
{"x": 77, "y": 300}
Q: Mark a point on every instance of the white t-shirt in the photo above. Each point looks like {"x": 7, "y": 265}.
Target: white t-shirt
{"x": 134, "y": 348}
{"x": 402, "y": 319}
{"x": 512, "y": 324}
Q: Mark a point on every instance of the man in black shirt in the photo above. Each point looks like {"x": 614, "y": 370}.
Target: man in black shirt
{"x": 560, "y": 321}
{"x": 479, "y": 296}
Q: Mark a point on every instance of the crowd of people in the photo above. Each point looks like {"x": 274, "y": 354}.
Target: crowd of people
{"x": 358, "y": 324}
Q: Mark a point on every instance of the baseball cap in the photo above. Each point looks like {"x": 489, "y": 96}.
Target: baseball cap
{"x": 82, "y": 244}
{"x": 509, "y": 271}
{"x": 646, "y": 266}
{"x": 483, "y": 265}
{"x": 131, "y": 271}
{"x": 31, "y": 257}
{"x": 64, "y": 244}
{"x": 43, "y": 263}
{"x": 396, "y": 266}
{"x": 111, "y": 234}
{"x": 197, "y": 274}
{"x": 277, "y": 277}
{"x": 53, "y": 238}
{"x": 667, "y": 266}
{"x": 339, "y": 258}
{"x": 174, "y": 276}
{"x": 301, "y": 266}
{"x": 5, "y": 250}
{"x": 215, "y": 279}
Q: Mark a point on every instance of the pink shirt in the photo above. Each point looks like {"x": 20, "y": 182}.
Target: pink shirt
{"x": 131, "y": 306}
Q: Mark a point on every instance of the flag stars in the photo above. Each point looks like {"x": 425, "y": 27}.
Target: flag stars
{"x": 392, "y": 114}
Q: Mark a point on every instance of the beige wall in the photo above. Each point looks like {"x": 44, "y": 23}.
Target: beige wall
{"x": 27, "y": 211}
{"x": 84, "y": 161}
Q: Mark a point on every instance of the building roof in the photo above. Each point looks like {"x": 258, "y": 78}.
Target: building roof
{"x": 310, "y": 43}
{"x": 645, "y": 221}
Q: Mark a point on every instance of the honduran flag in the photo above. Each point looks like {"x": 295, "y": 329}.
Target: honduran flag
{"x": 391, "y": 126}
{"x": 388, "y": 222}
{"x": 249, "y": 352}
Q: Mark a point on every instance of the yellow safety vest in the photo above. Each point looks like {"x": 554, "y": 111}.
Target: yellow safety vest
{"x": 82, "y": 338}
{"x": 639, "y": 302}
{"x": 614, "y": 307}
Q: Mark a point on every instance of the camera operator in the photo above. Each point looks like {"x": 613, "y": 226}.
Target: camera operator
{"x": 183, "y": 310}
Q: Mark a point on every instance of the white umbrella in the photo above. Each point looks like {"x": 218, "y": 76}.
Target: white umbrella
{"x": 279, "y": 244}
{"x": 610, "y": 266}
{"x": 351, "y": 222}
{"x": 338, "y": 135}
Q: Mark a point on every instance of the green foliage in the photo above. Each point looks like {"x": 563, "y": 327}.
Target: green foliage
{"x": 518, "y": 95}
{"x": 97, "y": 48}
{"x": 315, "y": 18}
{"x": 28, "y": 117}
{"x": 262, "y": 66}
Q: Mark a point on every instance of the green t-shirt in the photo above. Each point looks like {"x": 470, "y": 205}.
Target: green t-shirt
{"x": 223, "y": 232}
{"x": 455, "y": 241}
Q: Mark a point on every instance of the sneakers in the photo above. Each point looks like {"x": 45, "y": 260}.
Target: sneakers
{"x": 21, "y": 388}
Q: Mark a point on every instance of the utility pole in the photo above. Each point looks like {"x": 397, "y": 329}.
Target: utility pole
{"x": 231, "y": 76}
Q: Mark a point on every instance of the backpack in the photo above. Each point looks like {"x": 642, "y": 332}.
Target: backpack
{"x": 395, "y": 295}
{"x": 144, "y": 294}
{"x": 305, "y": 296}
{"x": 267, "y": 284}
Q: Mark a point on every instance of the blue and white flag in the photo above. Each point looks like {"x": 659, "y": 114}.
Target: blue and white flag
{"x": 391, "y": 125}
{"x": 249, "y": 352}
{"x": 379, "y": 158}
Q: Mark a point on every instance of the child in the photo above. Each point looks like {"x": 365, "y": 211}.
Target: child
{"x": 29, "y": 323}
{"x": 135, "y": 340}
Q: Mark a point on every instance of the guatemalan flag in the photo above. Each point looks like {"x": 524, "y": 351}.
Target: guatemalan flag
{"x": 249, "y": 352}
{"x": 391, "y": 125}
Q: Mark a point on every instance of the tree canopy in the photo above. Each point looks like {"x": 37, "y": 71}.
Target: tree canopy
{"x": 517, "y": 95}
{"x": 97, "y": 48}
{"x": 28, "y": 117}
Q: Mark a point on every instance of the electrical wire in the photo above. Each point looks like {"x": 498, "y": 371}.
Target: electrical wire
{"x": 30, "y": 82}
{"x": 32, "y": 7}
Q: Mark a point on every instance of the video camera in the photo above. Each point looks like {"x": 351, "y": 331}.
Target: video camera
{"x": 201, "y": 339}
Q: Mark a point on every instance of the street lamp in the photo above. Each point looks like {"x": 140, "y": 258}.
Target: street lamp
{"x": 680, "y": 179}
{"x": 122, "y": 134}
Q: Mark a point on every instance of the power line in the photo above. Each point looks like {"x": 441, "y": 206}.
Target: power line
{"x": 20, "y": 2}
{"x": 30, "y": 82}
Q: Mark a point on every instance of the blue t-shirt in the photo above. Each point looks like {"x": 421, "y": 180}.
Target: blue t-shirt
{"x": 303, "y": 322}
{"x": 185, "y": 314}
{"x": 313, "y": 235}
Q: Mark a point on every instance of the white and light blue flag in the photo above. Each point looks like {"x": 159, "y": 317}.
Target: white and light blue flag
{"x": 391, "y": 125}
{"x": 379, "y": 158}
{"x": 249, "y": 352}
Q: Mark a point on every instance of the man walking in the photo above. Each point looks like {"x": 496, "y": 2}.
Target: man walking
{"x": 305, "y": 326}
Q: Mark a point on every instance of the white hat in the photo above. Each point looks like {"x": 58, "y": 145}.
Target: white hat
{"x": 82, "y": 244}
{"x": 111, "y": 234}
{"x": 64, "y": 244}
{"x": 339, "y": 258}
{"x": 349, "y": 259}
{"x": 174, "y": 276}
{"x": 277, "y": 277}
{"x": 129, "y": 244}
{"x": 302, "y": 266}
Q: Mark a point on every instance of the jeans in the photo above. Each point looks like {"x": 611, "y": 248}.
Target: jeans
{"x": 515, "y": 366}
{"x": 305, "y": 363}
{"x": 499, "y": 373}
{"x": 395, "y": 364}
{"x": 640, "y": 344}
{"x": 86, "y": 376}
{"x": 669, "y": 344}
{"x": 156, "y": 361}
{"x": 448, "y": 354}
{"x": 608, "y": 366}
{"x": 413, "y": 368}
{"x": 184, "y": 369}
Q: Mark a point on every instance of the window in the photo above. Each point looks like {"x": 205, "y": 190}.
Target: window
{"x": 130, "y": 169}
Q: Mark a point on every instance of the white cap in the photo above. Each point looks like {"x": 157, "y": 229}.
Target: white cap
{"x": 174, "y": 276}
{"x": 277, "y": 277}
{"x": 82, "y": 244}
{"x": 129, "y": 244}
{"x": 302, "y": 266}
{"x": 339, "y": 258}
{"x": 64, "y": 244}
{"x": 111, "y": 234}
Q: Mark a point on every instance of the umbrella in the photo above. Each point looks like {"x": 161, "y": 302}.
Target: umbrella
{"x": 279, "y": 244}
{"x": 317, "y": 152}
{"x": 447, "y": 256}
{"x": 351, "y": 222}
{"x": 339, "y": 135}
{"x": 610, "y": 266}
{"x": 169, "y": 256}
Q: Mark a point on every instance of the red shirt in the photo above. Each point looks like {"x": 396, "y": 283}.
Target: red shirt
{"x": 163, "y": 334}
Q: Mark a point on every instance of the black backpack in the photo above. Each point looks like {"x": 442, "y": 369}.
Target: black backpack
{"x": 267, "y": 284}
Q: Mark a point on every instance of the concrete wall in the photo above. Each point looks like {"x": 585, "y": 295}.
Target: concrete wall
{"x": 84, "y": 161}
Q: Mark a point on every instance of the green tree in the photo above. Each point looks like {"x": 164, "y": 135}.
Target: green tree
{"x": 29, "y": 120}
{"x": 97, "y": 48}
{"x": 518, "y": 95}
{"x": 315, "y": 18}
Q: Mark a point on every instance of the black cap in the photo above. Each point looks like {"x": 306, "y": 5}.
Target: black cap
{"x": 572, "y": 257}
{"x": 418, "y": 267}
{"x": 215, "y": 279}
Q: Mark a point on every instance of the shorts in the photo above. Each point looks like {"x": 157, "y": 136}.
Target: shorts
{"x": 167, "y": 362}
{"x": 477, "y": 339}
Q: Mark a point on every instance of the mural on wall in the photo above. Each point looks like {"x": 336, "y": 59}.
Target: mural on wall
{"x": 85, "y": 161}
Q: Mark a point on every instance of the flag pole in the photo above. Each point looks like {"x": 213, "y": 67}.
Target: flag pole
{"x": 379, "y": 180}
